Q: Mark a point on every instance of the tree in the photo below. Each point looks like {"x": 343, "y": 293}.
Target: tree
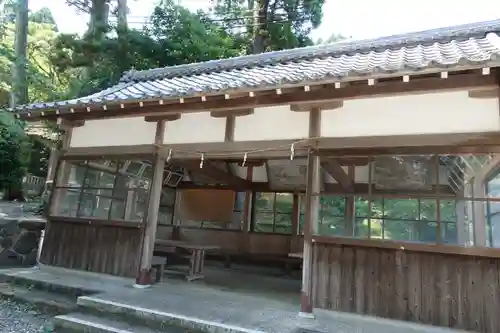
{"x": 20, "y": 86}
{"x": 14, "y": 154}
{"x": 19, "y": 152}
{"x": 43, "y": 15}
{"x": 271, "y": 24}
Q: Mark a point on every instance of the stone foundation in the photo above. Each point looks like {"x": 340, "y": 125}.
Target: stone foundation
{"x": 19, "y": 239}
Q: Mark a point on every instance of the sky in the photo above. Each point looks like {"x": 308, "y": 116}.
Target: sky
{"x": 358, "y": 19}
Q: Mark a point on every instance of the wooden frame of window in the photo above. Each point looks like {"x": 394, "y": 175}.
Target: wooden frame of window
{"x": 274, "y": 212}
{"x": 381, "y": 218}
{"x": 88, "y": 183}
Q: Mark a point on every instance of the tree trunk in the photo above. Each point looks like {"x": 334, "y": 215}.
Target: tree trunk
{"x": 260, "y": 31}
{"x": 20, "y": 85}
{"x": 99, "y": 14}
{"x": 122, "y": 16}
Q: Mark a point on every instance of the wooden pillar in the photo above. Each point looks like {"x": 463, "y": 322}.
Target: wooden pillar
{"x": 51, "y": 167}
{"x": 177, "y": 216}
{"x": 439, "y": 229}
{"x": 312, "y": 201}
{"x": 62, "y": 176}
{"x": 479, "y": 212}
{"x": 144, "y": 279}
{"x": 460, "y": 207}
{"x": 349, "y": 214}
{"x": 247, "y": 213}
{"x": 294, "y": 240}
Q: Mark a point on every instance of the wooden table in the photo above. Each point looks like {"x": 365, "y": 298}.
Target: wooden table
{"x": 196, "y": 259}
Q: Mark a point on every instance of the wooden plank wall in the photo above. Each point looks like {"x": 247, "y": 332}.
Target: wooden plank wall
{"x": 92, "y": 247}
{"x": 234, "y": 241}
{"x": 458, "y": 291}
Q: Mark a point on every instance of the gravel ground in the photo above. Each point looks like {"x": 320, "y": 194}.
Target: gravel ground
{"x": 20, "y": 318}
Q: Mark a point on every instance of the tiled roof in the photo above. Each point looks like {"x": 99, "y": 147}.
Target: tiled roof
{"x": 454, "y": 48}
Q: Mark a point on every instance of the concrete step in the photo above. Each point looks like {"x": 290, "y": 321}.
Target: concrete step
{"x": 154, "y": 319}
{"x": 79, "y": 322}
{"x": 32, "y": 283}
{"x": 44, "y": 300}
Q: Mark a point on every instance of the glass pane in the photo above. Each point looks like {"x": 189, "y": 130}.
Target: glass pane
{"x": 361, "y": 227}
{"x": 65, "y": 202}
{"x": 448, "y": 210}
{"x": 101, "y": 208}
{"x": 118, "y": 210}
{"x": 264, "y": 202}
{"x": 284, "y": 202}
{"x": 449, "y": 233}
{"x": 495, "y": 230}
{"x": 283, "y": 223}
{"x": 91, "y": 203}
{"x": 428, "y": 232}
{"x": 165, "y": 216}
{"x": 167, "y": 197}
{"x": 428, "y": 209}
{"x": 99, "y": 179}
{"x": 239, "y": 202}
{"x": 401, "y": 208}
{"x": 263, "y": 222}
{"x": 361, "y": 205}
{"x": 375, "y": 228}
{"x": 331, "y": 226}
{"x": 71, "y": 174}
{"x": 401, "y": 230}
{"x": 332, "y": 206}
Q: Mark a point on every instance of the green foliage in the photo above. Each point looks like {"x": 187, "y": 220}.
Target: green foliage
{"x": 18, "y": 152}
{"x": 287, "y": 23}
{"x": 14, "y": 148}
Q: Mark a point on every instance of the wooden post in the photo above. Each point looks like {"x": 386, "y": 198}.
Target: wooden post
{"x": 460, "y": 207}
{"x": 349, "y": 214}
{"x": 51, "y": 168}
{"x": 247, "y": 213}
{"x": 62, "y": 176}
{"x": 439, "y": 232}
{"x": 144, "y": 278}
{"x": 313, "y": 188}
{"x": 370, "y": 191}
{"x": 294, "y": 240}
{"x": 177, "y": 216}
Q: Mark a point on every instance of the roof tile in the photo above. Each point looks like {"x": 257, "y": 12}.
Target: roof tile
{"x": 460, "y": 47}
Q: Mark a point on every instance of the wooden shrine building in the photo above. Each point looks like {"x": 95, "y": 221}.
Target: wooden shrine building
{"x": 250, "y": 154}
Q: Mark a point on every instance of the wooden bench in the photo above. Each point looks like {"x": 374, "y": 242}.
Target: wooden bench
{"x": 159, "y": 263}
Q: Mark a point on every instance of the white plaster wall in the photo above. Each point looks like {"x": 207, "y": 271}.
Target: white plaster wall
{"x": 114, "y": 132}
{"x": 272, "y": 123}
{"x": 452, "y": 112}
{"x": 195, "y": 128}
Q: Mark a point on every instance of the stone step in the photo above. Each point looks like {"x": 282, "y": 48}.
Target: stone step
{"x": 33, "y": 283}
{"x": 79, "y": 322}
{"x": 44, "y": 300}
{"x": 152, "y": 318}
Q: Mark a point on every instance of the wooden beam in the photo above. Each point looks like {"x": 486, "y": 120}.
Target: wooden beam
{"x": 306, "y": 107}
{"x": 213, "y": 172}
{"x": 333, "y": 167}
{"x": 319, "y": 93}
{"x": 360, "y": 189}
{"x": 460, "y": 149}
